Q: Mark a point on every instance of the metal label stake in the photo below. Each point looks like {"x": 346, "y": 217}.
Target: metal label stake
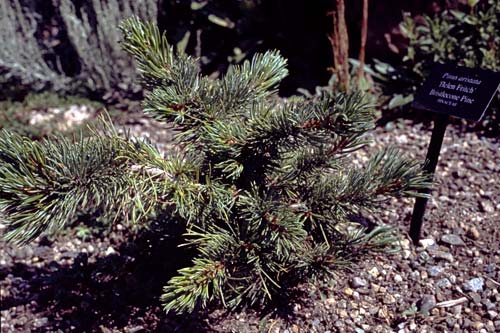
{"x": 440, "y": 123}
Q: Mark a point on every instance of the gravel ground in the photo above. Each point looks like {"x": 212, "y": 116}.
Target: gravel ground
{"x": 450, "y": 283}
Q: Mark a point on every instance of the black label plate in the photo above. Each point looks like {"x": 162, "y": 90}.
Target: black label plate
{"x": 458, "y": 91}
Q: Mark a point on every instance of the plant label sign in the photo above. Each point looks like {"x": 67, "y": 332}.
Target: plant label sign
{"x": 458, "y": 91}
{"x": 450, "y": 91}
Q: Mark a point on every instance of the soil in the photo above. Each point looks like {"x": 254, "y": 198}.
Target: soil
{"x": 110, "y": 282}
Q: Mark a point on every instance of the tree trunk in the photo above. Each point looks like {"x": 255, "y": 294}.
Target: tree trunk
{"x": 340, "y": 45}
{"x": 364, "y": 34}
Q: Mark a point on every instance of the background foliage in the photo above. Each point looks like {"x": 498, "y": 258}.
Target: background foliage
{"x": 67, "y": 46}
{"x": 64, "y": 40}
{"x": 468, "y": 35}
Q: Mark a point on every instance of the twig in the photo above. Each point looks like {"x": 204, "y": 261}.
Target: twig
{"x": 453, "y": 302}
{"x": 494, "y": 282}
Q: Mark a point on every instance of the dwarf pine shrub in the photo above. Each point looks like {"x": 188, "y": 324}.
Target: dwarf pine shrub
{"x": 264, "y": 189}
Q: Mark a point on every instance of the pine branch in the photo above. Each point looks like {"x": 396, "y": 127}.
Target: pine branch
{"x": 43, "y": 184}
{"x": 194, "y": 286}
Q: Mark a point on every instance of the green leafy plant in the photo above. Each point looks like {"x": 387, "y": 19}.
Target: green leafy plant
{"x": 468, "y": 37}
{"x": 264, "y": 190}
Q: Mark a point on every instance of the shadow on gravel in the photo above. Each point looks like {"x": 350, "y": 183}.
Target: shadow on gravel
{"x": 119, "y": 290}
{"x": 488, "y": 127}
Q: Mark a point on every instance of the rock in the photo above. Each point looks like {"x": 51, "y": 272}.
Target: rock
{"x": 440, "y": 297}
{"x": 75, "y": 116}
{"x": 476, "y": 298}
{"x": 389, "y": 299}
{"x": 374, "y": 272}
{"x": 424, "y": 257}
{"x": 442, "y": 255}
{"x": 24, "y": 253}
{"x": 348, "y": 291}
{"x": 135, "y": 329}
{"x": 358, "y": 282}
{"x": 405, "y": 244}
{"x": 425, "y": 243}
{"x": 488, "y": 304}
{"x": 473, "y": 233}
{"x": 426, "y": 303}
{"x": 435, "y": 271}
{"x": 457, "y": 310}
{"x": 330, "y": 301}
{"x": 492, "y": 314}
{"x": 375, "y": 287}
{"x": 444, "y": 283}
{"x": 42, "y": 251}
{"x": 398, "y": 278}
{"x": 450, "y": 322}
{"x": 452, "y": 239}
{"x": 401, "y": 139}
{"x": 383, "y": 313}
{"x": 69, "y": 254}
{"x": 339, "y": 324}
{"x": 490, "y": 327}
{"x": 474, "y": 285}
{"x": 467, "y": 323}
{"x": 477, "y": 325}
{"x": 486, "y": 207}
{"x": 105, "y": 330}
{"x": 490, "y": 268}
{"x": 110, "y": 251}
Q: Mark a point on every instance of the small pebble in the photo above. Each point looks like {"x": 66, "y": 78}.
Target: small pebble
{"x": 442, "y": 255}
{"x": 473, "y": 233}
{"x": 435, "y": 271}
{"x": 374, "y": 272}
{"x": 426, "y": 303}
{"x": 110, "y": 251}
{"x": 358, "y": 282}
{"x": 474, "y": 285}
{"x": 444, "y": 283}
{"x": 425, "y": 243}
{"x": 452, "y": 239}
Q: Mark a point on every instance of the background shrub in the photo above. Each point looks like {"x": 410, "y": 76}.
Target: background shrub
{"x": 466, "y": 36}
{"x": 68, "y": 46}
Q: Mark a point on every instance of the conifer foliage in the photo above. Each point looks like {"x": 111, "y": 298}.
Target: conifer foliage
{"x": 264, "y": 189}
